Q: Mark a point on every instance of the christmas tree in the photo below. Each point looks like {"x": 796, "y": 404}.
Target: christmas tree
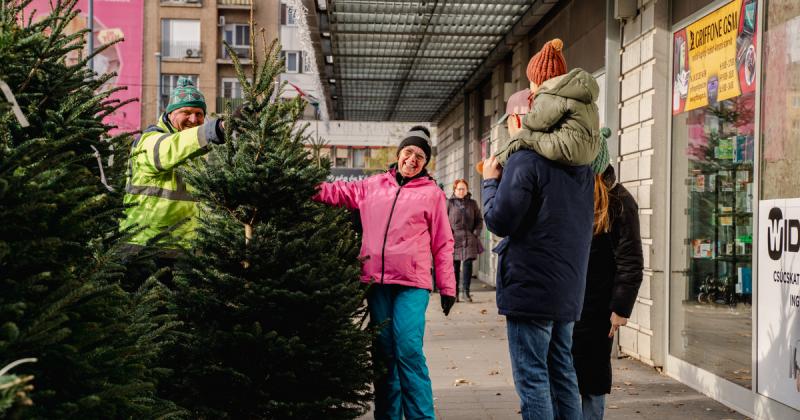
{"x": 60, "y": 258}
{"x": 269, "y": 297}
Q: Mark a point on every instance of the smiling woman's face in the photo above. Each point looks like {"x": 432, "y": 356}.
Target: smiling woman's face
{"x": 410, "y": 161}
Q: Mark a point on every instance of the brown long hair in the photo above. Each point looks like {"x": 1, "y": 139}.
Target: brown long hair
{"x": 601, "y": 224}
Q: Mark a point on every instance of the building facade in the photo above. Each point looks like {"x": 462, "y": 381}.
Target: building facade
{"x": 703, "y": 101}
{"x": 185, "y": 38}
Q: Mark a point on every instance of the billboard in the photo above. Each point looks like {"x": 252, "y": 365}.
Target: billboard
{"x": 714, "y": 58}
{"x": 113, "y": 19}
{"x": 778, "y": 345}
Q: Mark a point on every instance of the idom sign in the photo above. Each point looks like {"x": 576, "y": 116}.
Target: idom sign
{"x": 783, "y": 235}
{"x": 777, "y": 311}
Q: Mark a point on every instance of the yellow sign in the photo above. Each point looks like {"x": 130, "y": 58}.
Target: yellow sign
{"x": 709, "y": 48}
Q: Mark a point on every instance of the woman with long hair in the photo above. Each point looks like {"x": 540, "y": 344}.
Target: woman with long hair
{"x": 612, "y": 284}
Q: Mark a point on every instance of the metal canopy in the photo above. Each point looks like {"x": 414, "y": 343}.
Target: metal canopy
{"x": 407, "y": 60}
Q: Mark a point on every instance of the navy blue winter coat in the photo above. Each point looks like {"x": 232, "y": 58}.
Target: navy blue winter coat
{"x": 545, "y": 212}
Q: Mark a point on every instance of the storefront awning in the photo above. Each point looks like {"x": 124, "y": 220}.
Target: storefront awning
{"x": 408, "y": 60}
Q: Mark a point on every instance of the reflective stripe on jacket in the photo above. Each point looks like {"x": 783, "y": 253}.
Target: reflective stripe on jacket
{"x": 156, "y": 197}
{"x": 403, "y": 227}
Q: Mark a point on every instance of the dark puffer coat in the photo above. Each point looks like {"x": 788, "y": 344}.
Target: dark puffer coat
{"x": 467, "y": 223}
{"x": 612, "y": 284}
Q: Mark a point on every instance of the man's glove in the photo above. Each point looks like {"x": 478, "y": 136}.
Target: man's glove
{"x": 219, "y": 128}
{"x": 447, "y": 304}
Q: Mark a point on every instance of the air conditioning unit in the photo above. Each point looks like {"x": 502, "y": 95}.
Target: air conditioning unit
{"x": 192, "y": 52}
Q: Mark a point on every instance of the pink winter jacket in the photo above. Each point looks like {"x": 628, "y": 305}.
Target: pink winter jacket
{"x": 416, "y": 215}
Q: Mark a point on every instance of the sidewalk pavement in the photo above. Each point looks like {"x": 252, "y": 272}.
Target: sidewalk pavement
{"x": 470, "y": 369}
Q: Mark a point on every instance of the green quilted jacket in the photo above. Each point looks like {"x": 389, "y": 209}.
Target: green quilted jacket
{"x": 563, "y": 124}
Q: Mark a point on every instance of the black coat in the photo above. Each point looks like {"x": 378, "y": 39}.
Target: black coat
{"x": 545, "y": 211}
{"x": 612, "y": 284}
{"x": 467, "y": 223}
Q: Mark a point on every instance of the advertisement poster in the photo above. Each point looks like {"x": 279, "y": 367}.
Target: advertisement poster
{"x": 714, "y": 58}
{"x": 113, "y": 19}
{"x": 778, "y": 345}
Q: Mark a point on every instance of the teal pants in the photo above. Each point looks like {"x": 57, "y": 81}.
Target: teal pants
{"x": 404, "y": 387}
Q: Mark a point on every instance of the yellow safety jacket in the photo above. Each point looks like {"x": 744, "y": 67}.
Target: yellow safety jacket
{"x": 156, "y": 197}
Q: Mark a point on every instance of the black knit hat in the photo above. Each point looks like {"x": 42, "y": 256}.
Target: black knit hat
{"x": 418, "y": 136}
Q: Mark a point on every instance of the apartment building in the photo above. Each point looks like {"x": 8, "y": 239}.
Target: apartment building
{"x": 184, "y": 38}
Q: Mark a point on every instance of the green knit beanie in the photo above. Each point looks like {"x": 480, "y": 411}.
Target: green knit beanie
{"x": 602, "y": 160}
{"x": 186, "y": 94}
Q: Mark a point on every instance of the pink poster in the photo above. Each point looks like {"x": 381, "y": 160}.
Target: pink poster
{"x": 114, "y": 19}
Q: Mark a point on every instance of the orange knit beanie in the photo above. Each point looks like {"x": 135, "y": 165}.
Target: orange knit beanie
{"x": 547, "y": 63}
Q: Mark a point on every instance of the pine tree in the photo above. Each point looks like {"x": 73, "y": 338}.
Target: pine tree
{"x": 60, "y": 259}
{"x": 269, "y": 297}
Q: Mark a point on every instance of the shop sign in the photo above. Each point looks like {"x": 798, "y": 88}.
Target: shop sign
{"x": 714, "y": 58}
{"x": 778, "y": 345}
{"x": 350, "y": 174}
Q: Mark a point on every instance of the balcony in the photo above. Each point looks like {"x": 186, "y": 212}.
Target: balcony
{"x": 234, "y": 4}
{"x": 177, "y": 50}
{"x": 242, "y": 52}
{"x": 224, "y": 103}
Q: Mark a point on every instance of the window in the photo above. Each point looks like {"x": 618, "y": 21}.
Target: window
{"x": 169, "y": 81}
{"x": 342, "y": 157}
{"x": 238, "y": 37}
{"x": 712, "y": 200}
{"x": 288, "y": 15}
{"x": 294, "y": 61}
{"x": 180, "y": 38}
{"x": 231, "y": 88}
{"x": 360, "y": 158}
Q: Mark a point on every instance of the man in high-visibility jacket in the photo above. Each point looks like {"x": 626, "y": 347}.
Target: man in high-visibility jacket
{"x": 159, "y": 204}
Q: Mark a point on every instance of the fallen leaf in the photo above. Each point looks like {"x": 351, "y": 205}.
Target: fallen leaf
{"x": 484, "y": 311}
{"x": 462, "y": 381}
{"x": 627, "y": 383}
{"x": 613, "y": 407}
{"x": 498, "y": 394}
{"x": 494, "y": 372}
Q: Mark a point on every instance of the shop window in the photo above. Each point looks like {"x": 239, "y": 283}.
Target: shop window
{"x": 342, "y": 157}
{"x": 713, "y": 132}
{"x": 360, "y": 157}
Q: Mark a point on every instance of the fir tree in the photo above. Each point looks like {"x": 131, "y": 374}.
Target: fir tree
{"x": 60, "y": 262}
{"x": 270, "y": 297}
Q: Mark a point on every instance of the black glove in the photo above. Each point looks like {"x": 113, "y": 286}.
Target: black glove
{"x": 447, "y": 304}
{"x": 220, "y": 132}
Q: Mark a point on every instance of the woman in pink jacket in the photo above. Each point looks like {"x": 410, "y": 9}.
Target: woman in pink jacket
{"x": 404, "y": 220}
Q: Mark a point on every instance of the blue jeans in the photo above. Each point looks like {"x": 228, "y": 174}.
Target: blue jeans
{"x": 541, "y": 361}
{"x": 593, "y": 406}
{"x": 405, "y": 386}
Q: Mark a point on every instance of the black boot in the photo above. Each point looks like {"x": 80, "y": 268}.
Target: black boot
{"x": 467, "y": 297}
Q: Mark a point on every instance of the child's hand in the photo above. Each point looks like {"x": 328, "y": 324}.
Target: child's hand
{"x": 492, "y": 168}
{"x": 514, "y": 124}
